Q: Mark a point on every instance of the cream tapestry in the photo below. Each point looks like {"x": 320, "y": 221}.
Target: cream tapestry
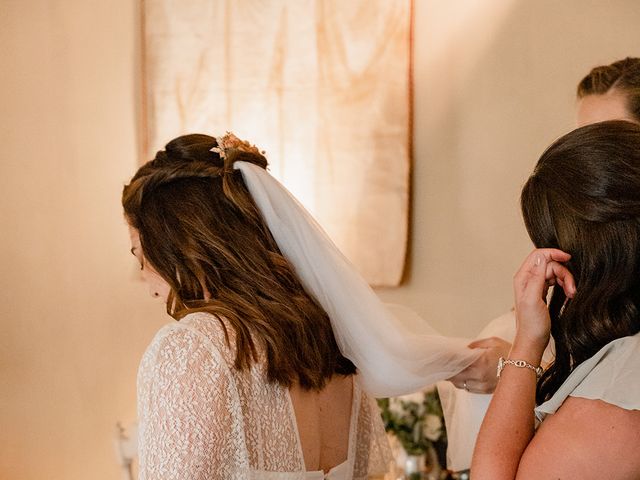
{"x": 323, "y": 86}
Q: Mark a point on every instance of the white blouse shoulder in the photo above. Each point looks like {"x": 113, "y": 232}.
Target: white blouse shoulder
{"x": 610, "y": 375}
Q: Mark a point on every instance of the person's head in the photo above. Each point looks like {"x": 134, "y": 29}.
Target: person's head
{"x": 583, "y": 197}
{"x": 610, "y": 92}
{"x": 199, "y": 235}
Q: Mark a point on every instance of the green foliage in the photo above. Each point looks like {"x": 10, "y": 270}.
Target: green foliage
{"x": 416, "y": 420}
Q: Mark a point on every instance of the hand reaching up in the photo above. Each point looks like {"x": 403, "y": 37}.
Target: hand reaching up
{"x": 541, "y": 269}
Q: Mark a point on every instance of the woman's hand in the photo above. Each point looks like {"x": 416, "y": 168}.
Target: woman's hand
{"x": 480, "y": 376}
{"x": 541, "y": 269}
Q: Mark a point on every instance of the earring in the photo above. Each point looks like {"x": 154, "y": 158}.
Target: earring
{"x": 156, "y": 294}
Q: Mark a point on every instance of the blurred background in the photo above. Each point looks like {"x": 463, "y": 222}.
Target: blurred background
{"x": 494, "y": 84}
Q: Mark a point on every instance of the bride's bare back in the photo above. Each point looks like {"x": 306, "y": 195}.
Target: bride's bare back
{"x": 323, "y": 419}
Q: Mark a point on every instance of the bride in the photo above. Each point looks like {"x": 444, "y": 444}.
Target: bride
{"x": 280, "y": 345}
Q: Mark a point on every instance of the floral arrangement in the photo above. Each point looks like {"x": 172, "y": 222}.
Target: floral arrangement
{"x": 416, "y": 420}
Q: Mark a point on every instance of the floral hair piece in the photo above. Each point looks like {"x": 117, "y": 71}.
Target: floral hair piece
{"x": 230, "y": 142}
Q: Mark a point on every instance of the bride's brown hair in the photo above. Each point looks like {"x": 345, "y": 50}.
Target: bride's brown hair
{"x": 201, "y": 230}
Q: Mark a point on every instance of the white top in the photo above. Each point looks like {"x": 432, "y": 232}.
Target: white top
{"x": 610, "y": 375}
{"x": 199, "y": 418}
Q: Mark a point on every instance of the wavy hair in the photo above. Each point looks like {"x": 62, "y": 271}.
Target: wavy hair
{"x": 584, "y": 198}
{"x": 201, "y": 230}
{"x": 622, "y": 76}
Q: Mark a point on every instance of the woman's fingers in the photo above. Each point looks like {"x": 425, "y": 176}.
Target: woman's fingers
{"x": 535, "y": 285}
{"x": 480, "y": 376}
{"x": 530, "y": 283}
{"x": 558, "y": 273}
{"x": 553, "y": 254}
{"x": 543, "y": 268}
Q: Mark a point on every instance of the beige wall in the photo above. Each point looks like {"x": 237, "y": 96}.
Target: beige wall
{"x": 494, "y": 85}
{"x": 74, "y": 320}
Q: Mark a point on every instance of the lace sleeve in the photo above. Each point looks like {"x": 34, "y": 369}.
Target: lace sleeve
{"x": 373, "y": 454}
{"x": 185, "y": 397}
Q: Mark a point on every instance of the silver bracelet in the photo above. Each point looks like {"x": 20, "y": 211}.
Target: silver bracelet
{"x": 502, "y": 362}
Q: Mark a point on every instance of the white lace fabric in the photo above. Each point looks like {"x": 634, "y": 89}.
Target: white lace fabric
{"x": 202, "y": 419}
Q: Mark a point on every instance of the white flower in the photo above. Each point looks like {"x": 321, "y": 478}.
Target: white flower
{"x": 432, "y": 427}
{"x": 395, "y": 407}
{"x": 417, "y": 397}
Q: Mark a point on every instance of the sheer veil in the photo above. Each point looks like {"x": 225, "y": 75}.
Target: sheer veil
{"x": 395, "y": 351}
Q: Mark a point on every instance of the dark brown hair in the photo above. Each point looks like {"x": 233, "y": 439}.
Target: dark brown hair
{"x": 622, "y": 76}
{"x": 201, "y": 230}
{"x": 584, "y": 198}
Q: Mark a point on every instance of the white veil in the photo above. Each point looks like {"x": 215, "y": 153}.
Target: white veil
{"x": 393, "y": 358}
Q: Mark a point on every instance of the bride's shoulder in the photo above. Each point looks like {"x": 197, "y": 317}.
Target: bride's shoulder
{"x": 195, "y": 332}
{"x": 216, "y": 329}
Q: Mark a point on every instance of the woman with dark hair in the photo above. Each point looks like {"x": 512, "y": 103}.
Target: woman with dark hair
{"x": 257, "y": 380}
{"x": 610, "y": 92}
{"x": 607, "y": 92}
{"x": 583, "y": 198}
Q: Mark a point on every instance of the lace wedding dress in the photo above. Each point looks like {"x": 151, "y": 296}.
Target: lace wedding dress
{"x": 202, "y": 419}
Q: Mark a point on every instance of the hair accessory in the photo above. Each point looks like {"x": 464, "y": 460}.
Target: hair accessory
{"x": 502, "y": 362}
{"x": 229, "y": 142}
